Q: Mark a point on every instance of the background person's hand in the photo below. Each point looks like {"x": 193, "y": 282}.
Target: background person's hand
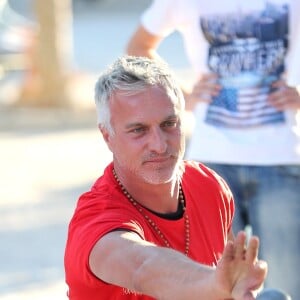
{"x": 204, "y": 90}
{"x": 284, "y": 97}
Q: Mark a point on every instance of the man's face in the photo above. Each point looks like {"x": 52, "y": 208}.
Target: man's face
{"x": 148, "y": 142}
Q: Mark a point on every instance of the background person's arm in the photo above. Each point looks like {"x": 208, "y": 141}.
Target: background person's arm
{"x": 143, "y": 43}
{"x": 124, "y": 259}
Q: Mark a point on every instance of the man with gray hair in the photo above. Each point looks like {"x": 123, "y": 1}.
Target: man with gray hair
{"x": 154, "y": 226}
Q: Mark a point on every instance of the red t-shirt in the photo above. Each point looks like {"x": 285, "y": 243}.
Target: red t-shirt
{"x": 104, "y": 208}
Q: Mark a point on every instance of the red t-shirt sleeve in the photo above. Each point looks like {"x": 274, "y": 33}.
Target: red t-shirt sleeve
{"x": 91, "y": 221}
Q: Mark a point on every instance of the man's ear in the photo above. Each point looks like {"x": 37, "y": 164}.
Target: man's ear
{"x": 106, "y": 136}
{"x": 104, "y": 133}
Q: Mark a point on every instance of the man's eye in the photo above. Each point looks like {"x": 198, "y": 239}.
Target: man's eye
{"x": 170, "y": 124}
{"x": 138, "y": 130}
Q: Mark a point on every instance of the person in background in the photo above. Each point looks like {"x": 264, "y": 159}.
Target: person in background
{"x": 246, "y": 108}
{"x": 273, "y": 294}
{"x": 154, "y": 226}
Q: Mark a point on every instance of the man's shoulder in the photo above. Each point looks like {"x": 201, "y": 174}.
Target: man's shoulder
{"x": 195, "y": 167}
{"x": 202, "y": 180}
{"x": 198, "y": 172}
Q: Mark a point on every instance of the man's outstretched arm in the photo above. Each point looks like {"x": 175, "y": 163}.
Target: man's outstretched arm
{"x": 124, "y": 259}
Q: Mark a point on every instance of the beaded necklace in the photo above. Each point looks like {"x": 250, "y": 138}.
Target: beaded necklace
{"x": 152, "y": 223}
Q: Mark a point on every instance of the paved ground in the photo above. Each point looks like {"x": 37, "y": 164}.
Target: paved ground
{"x": 50, "y": 156}
{"x": 42, "y": 173}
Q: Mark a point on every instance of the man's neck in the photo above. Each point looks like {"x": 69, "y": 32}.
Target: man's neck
{"x": 159, "y": 198}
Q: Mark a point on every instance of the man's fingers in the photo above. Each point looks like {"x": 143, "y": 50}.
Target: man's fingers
{"x": 281, "y": 83}
{"x": 240, "y": 244}
{"x": 252, "y": 250}
{"x": 239, "y": 250}
{"x": 209, "y": 77}
{"x": 228, "y": 253}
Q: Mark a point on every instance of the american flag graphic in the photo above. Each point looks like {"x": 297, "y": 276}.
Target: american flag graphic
{"x": 247, "y": 50}
{"x": 244, "y": 107}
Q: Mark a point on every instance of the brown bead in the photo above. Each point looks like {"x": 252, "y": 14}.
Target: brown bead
{"x": 152, "y": 223}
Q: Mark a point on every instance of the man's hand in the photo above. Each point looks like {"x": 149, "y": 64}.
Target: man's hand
{"x": 204, "y": 90}
{"x": 284, "y": 97}
{"x": 239, "y": 271}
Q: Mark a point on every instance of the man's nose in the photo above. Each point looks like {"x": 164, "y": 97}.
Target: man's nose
{"x": 157, "y": 141}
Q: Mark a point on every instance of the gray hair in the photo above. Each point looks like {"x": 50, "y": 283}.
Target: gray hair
{"x": 130, "y": 75}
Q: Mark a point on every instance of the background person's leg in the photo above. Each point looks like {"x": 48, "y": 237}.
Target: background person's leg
{"x": 274, "y": 216}
{"x": 236, "y": 177}
{"x": 271, "y": 198}
{"x": 273, "y": 294}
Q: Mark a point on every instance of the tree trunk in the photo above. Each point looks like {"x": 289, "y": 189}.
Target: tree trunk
{"x": 47, "y": 80}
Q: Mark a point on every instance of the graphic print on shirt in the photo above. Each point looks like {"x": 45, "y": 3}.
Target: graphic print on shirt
{"x": 247, "y": 50}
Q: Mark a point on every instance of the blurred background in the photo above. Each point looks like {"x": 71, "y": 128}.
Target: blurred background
{"x": 51, "y": 53}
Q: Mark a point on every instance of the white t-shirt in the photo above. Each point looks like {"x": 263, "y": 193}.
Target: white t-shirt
{"x": 249, "y": 44}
